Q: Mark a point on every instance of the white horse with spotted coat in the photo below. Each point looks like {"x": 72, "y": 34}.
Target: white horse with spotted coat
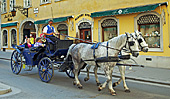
{"x": 83, "y": 51}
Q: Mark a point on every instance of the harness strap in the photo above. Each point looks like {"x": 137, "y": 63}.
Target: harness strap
{"x": 94, "y": 55}
{"x": 107, "y": 48}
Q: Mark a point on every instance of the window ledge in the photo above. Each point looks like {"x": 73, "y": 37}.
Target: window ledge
{"x": 45, "y": 3}
{"x": 28, "y": 7}
{"x": 3, "y": 12}
{"x": 57, "y": 0}
{"x": 4, "y": 46}
{"x": 155, "y": 50}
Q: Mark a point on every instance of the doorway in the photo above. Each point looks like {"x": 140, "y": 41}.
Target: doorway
{"x": 28, "y": 28}
{"x": 85, "y": 34}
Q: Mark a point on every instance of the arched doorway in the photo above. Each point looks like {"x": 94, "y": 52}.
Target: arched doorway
{"x": 62, "y": 29}
{"x": 85, "y": 32}
{"x": 28, "y": 28}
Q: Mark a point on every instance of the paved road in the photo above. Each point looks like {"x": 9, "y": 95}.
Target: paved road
{"x": 28, "y": 86}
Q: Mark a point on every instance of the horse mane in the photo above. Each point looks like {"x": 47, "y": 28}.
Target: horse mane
{"x": 117, "y": 41}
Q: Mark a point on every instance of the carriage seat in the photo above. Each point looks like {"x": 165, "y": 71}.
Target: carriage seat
{"x": 36, "y": 49}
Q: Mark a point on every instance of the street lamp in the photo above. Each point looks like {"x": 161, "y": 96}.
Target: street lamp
{"x": 20, "y": 8}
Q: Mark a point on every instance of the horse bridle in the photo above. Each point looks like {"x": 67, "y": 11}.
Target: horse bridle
{"x": 140, "y": 40}
{"x": 130, "y": 43}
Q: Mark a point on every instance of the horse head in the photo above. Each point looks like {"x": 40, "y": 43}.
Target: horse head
{"x": 142, "y": 43}
{"x": 132, "y": 45}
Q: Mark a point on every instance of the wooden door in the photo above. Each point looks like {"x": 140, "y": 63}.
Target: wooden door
{"x": 85, "y": 34}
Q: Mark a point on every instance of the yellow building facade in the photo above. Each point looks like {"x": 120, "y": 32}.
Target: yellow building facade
{"x": 92, "y": 20}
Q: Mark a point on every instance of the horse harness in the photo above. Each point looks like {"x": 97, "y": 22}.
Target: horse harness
{"x": 109, "y": 58}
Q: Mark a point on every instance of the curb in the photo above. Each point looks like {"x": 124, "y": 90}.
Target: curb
{"x": 4, "y": 89}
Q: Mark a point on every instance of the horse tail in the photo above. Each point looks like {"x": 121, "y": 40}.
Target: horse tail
{"x": 69, "y": 51}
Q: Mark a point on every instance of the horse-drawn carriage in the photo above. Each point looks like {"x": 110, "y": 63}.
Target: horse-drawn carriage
{"x": 76, "y": 57}
{"x": 46, "y": 59}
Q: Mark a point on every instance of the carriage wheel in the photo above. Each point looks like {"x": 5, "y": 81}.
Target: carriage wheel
{"x": 45, "y": 69}
{"x": 69, "y": 71}
{"x": 16, "y": 62}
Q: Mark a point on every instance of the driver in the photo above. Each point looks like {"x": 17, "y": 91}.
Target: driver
{"x": 49, "y": 30}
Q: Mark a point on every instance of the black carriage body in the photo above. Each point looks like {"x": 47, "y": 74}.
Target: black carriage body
{"x": 64, "y": 44}
{"x": 31, "y": 57}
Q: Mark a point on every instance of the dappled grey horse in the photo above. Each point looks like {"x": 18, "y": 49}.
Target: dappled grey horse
{"x": 143, "y": 46}
{"x": 111, "y": 48}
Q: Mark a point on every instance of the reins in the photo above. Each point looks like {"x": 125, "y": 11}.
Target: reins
{"x": 89, "y": 42}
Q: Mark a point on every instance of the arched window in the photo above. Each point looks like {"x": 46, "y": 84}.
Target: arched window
{"x": 13, "y": 37}
{"x": 109, "y": 29}
{"x": 5, "y": 38}
{"x": 63, "y": 29}
{"x": 149, "y": 25}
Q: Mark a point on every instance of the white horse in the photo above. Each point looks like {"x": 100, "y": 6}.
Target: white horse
{"x": 82, "y": 52}
{"x": 144, "y": 47}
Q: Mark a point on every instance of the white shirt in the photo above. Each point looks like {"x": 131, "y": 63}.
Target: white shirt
{"x": 46, "y": 28}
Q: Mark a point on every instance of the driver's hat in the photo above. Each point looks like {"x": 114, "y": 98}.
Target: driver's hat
{"x": 50, "y": 20}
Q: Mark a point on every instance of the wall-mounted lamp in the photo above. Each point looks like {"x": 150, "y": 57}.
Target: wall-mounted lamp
{"x": 20, "y": 8}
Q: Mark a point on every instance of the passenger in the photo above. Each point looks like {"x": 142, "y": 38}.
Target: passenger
{"x": 25, "y": 40}
{"x": 27, "y": 44}
{"x": 38, "y": 42}
{"x": 31, "y": 39}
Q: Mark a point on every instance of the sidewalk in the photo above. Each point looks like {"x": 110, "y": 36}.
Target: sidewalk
{"x": 4, "y": 89}
{"x": 5, "y": 55}
{"x": 146, "y": 74}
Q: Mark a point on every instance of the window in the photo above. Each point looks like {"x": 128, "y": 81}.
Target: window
{"x": 5, "y": 38}
{"x": 109, "y": 29}
{"x": 12, "y": 3}
{"x": 63, "y": 29}
{"x": 149, "y": 25}
{"x": 13, "y": 37}
{"x": 27, "y": 3}
{"x": 45, "y": 1}
{"x": 3, "y": 6}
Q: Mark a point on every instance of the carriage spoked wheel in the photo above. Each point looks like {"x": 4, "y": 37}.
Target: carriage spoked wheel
{"x": 45, "y": 69}
{"x": 69, "y": 71}
{"x": 16, "y": 62}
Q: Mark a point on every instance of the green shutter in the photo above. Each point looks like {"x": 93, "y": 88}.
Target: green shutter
{"x": 127, "y": 10}
{"x": 9, "y": 24}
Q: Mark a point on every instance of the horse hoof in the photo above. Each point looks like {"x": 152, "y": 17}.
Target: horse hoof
{"x": 80, "y": 87}
{"x": 127, "y": 90}
{"x": 99, "y": 88}
{"x": 114, "y": 85}
{"x": 86, "y": 79}
{"x": 113, "y": 93}
{"x": 98, "y": 84}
